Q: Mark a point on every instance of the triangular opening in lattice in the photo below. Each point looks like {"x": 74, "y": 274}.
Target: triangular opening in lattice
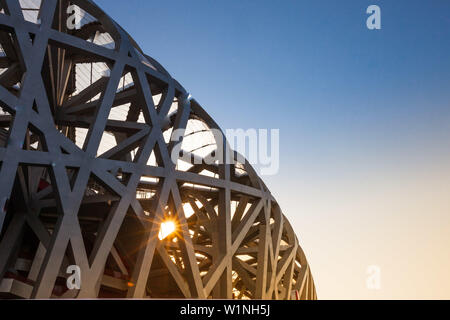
{"x": 76, "y": 21}
{"x": 98, "y": 203}
{"x": 34, "y": 140}
{"x": 12, "y": 68}
{"x": 31, "y": 10}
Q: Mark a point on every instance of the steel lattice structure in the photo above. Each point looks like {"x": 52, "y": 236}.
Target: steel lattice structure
{"x": 87, "y": 179}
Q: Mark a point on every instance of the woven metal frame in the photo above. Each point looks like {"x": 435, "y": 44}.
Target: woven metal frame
{"x": 66, "y": 204}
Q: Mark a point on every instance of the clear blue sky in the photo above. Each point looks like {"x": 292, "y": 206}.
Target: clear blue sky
{"x": 364, "y": 118}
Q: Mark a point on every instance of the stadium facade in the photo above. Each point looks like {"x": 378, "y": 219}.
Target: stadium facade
{"x": 87, "y": 179}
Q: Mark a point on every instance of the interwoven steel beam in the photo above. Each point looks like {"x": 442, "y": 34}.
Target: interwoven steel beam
{"x": 87, "y": 177}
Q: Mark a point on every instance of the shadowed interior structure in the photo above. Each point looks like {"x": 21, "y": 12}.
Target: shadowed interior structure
{"x": 87, "y": 124}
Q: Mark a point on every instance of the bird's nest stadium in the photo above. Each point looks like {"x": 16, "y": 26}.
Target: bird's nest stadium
{"x": 87, "y": 177}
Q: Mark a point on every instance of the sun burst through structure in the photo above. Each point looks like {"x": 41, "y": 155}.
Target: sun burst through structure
{"x": 87, "y": 178}
{"x": 168, "y": 227}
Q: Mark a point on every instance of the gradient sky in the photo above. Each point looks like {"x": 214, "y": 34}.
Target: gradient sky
{"x": 364, "y": 119}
